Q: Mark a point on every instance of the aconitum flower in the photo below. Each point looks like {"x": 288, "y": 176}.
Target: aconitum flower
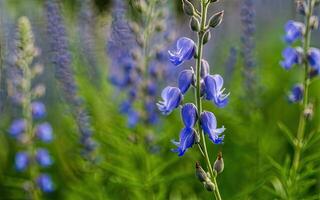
{"x": 45, "y": 183}
{"x": 209, "y": 126}
{"x": 296, "y": 94}
{"x": 44, "y": 132}
{"x": 184, "y": 51}
{"x": 43, "y": 157}
{"x": 214, "y": 90}
{"x": 21, "y": 161}
{"x": 185, "y": 80}
{"x": 38, "y": 110}
{"x": 172, "y": 98}
{"x": 314, "y": 58}
{"x": 187, "y": 139}
{"x": 189, "y": 115}
{"x": 17, "y": 127}
{"x": 294, "y": 31}
{"x": 291, "y": 56}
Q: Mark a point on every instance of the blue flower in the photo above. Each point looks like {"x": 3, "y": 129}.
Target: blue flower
{"x": 38, "y": 110}
{"x": 184, "y": 51}
{"x": 186, "y": 78}
{"x": 294, "y": 30}
{"x": 314, "y": 58}
{"x": 45, "y": 183}
{"x": 209, "y": 126}
{"x": 17, "y": 127}
{"x": 44, "y": 132}
{"x": 43, "y": 158}
{"x": 296, "y": 94}
{"x": 214, "y": 91}
{"x": 21, "y": 161}
{"x": 125, "y": 107}
{"x": 189, "y": 115}
{"x": 172, "y": 98}
{"x": 187, "y": 139}
{"x": 133, "y": 118}
{"x": 291, "y": 56}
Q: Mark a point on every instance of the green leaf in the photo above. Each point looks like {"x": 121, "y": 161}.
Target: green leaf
{"x": 284, "y": 129}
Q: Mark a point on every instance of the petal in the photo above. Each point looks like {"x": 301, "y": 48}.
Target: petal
{"x": 208, "y": 122}
{"x": 189, "y": 115}
{"x": 186, "y": 78}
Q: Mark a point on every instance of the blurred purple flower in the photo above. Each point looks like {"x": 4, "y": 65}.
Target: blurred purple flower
{"x": 43, "y": 158}
{"x": 291, "y": 56}
{"x": 38, "y": 110}
{"x": 314, "y": 58}
{"x": 44, "y": 132}
{"x": 296, "y": 94}
{"x": 294, "y": 30}
{"x": 17, "y": 127}
{"x": 21, "y": 161}
{"x": 45, "y": 183}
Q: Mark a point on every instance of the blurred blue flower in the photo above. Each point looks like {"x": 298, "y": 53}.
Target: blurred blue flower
{"x": 189, "y": 115}
{"x": 209, "y": 126}
{"x": 133, "y": 118}
{"x": 21, "y": 161}
{"x": 38, "y": 110}
{"x": 214, "y": 90}
{"x": 125, "y": 107}
{"x": 172, "y": 98}
{"x": 17, "y": 127}
{"x": 45, "y": 183}
{"x": 296, "y": 94}
{"x": 43, "y": 158}
{"x": 185, "y": 80}
{"x": 314, "y": 58}
{"x": 44, "y": 132}
{"x": 187, "y": 139}
{"x": 294, "y": 30}
{"x": 185, "y": 50}
{"x": 291, "y": 56}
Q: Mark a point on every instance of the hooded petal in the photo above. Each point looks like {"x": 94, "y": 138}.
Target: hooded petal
{"x": 294, "y": 30}
{"x": 186, "y": 78}
{"x": 187, "y": 139}
{"x": 214, "y": 91}
{"x": 291, "y": 56}
{"x": 209, "y": 126}
{"x": 172, "y": 98}
{"x": 185, "y": 50}
{"x": 189, "y": 115}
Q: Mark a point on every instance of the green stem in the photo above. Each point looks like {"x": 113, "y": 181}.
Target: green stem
{"x": 203, "y": 148}
{"x": 306, "y": 83}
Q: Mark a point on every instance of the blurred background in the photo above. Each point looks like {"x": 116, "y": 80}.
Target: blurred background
{"x": 127, "y": 169}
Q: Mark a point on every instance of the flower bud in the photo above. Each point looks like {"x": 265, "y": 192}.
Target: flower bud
{"x": 216, "y": 19}
{"x": 206, "y": 37}
{"x": 301, "y": 7}
{"x": 219, "y": 164}
{"x": 314, "y": 22}
{"x": 308, "y": 112}
{"x": 209, "y": 186}
{"x": 201, "y": 174}
{"x": 188, "y": 7}
{"x": 194, "y": 24}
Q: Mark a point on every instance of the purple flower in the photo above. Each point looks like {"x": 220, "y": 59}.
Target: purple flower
{"x": 209, "y": 126}
{"x": 38, "y": 110}
{"x": 314, "y": 58}
{"x": 43, "y": 158}
{"x": 44, "y": 132}
{"x": 296, "y": 94}
{"x": 189, "y": 115}
{"x": 294, "y": 30}
{"x": 21, "y": 161}
{"x": 172, "y": 98}
{"x": 17, "y": 127}
{"x": 185, "y": 50}
{"x": 187, "y": 139}
{"x": 291, "y": 56}
{"x": 214, "y": 91}
{"x": 186, "y": 78}
{"x": 45, "y": 183}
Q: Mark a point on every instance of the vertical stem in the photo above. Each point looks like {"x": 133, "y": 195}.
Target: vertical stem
{"x": 306, "y": 83}
{"x": 203, "y": 150}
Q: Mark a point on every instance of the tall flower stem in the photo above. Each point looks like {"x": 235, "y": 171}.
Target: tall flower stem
{"x": 203, "y": 148}
{"x": 306, "y": 83}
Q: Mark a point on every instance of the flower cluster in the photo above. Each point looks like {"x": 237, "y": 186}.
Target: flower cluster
{"x": 297, "y": 55}
{"x": 211, "y": 90}
{"x": 31, "y": 131}
{"x": 136, "y": 51}
{"x": 248, "y": 41}
{"x": 61, "y": 59}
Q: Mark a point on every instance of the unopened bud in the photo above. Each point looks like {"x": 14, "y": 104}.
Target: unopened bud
{"x": 194, "y": 24}
{"x": 219, "y": 164}
{"x": 314, "y": 22}
{"x": 308, "y": 112}
{"x": 301, "y": 7}
{"x": 216, "y": 19}
{"x": 188, "y": 7}
{"x": 200, "y": 173}
{"x": 206, "y": 37}
{"x": 209, "y": 186}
